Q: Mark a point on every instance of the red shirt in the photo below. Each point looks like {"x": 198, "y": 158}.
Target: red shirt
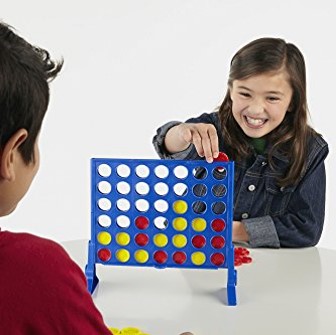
{"x": 42, "y": 291}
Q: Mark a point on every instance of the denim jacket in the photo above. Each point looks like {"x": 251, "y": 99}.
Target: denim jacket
{"x": 273, "y": 216}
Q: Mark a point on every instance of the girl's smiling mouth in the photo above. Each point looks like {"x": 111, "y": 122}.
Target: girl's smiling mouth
{"x": 254, "y": 123}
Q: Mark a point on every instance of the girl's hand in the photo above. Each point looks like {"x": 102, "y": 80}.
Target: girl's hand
{"x": 239, "y": 233}
{"x": 202, "y": 135}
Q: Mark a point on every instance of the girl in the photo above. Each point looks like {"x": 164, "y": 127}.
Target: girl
{"x": 279, "y": 159}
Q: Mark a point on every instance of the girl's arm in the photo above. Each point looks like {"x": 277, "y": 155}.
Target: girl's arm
{"x": 302, "y": 222}
{"x": 177, "y": 144}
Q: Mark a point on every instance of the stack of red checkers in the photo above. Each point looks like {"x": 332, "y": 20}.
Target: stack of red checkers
{"x": 241, "y": 256}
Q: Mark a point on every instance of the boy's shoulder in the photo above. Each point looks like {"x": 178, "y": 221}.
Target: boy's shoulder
{"x": 26, "y": 245}
{"x": 24, "y": 255}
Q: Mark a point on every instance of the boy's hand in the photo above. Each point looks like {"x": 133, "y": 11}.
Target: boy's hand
{"x": 203, "y": 136}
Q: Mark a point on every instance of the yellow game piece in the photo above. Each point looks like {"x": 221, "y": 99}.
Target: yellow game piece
{"x": 160, "y": 240}
{"x": 123, "y": 239}
{"x": 130, "y": 331}
{"x": 198, "y": 258}
{"x": 123, "y": 255}
{"x": 104, "y": 238}
{"x": 114, "y": 331}
{"x": 180, "y": 207}
{"x": 180, "y": 224}
{"x": 198, "y": 224}
{"x": 179, "y": 241}
{"x": 141, "y": 256}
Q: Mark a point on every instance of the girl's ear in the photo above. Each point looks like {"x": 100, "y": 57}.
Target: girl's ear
{"x": 9, "y": 154}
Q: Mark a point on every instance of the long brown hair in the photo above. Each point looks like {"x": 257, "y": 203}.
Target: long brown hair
{"x": 290, "y": 137}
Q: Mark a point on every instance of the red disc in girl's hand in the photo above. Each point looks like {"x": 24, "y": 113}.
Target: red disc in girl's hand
{"x": 222, "y": 157}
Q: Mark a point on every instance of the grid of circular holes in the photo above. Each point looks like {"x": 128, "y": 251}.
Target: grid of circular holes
{"x": 104, "y": 204}
{"x": 123, "y": 188}
{"x": 161, "y": 205}
{"x": 161, "y": 222}
{"x": 104, "y": 187}
{"x": 200, "y": 190}
{"x": 181, "y": 172}
{"x": 218, "y": 190}
{"x": 200, "y": 172}
{"x": 142, "y": 171}
{"x": 123, "y": 170}
{"x": 161, "y": 188}
{"x": 104, "y": 170}
{"x": 219, "y": 173}
{"x": 180, "y": 189}
{"x": 104, "y": 220}
{"x": 123, "y": 221}
{"x": 142, "y": 188}
{"x": 218, "y": 207}
{"x": 161, "y": 171}
{"x": 123, "y": 205}
{"x": 199, "y": 207}
{"x": 142, "y": 205}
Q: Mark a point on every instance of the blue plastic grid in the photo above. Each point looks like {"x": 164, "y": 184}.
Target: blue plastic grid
{"x": 161, "y": 192}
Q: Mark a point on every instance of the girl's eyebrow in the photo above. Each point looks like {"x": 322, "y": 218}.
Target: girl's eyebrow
{"x": 268, "y": 92}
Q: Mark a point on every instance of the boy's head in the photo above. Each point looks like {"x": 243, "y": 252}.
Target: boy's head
{"x": 25, "y": 72}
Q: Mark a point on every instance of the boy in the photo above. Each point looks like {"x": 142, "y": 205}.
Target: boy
{"x": 42, "y": 290}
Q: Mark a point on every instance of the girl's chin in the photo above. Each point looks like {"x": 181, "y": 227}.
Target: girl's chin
{"x": 255, "y": 132}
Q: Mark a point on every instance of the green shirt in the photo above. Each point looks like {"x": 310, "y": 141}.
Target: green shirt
{"x": 259, "y": 145}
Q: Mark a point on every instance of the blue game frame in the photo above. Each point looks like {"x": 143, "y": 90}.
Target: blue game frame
{"x": 111, "y": 202}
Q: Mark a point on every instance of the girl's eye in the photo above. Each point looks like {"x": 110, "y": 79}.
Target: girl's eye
{"x": 244, "y": 94}
{"x": 273, "y": 98}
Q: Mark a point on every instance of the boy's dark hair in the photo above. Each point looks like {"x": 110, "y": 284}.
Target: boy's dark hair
{"x": 261, "y": 56}
{"x": 25, "y": 73}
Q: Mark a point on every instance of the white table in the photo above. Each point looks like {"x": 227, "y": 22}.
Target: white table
{"x": 281, "y": 292}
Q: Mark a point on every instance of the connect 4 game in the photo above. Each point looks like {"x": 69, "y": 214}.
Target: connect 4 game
{"x": 162, "y": 213}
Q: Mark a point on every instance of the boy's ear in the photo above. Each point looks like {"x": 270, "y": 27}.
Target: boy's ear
{"x": 9, "y": 154}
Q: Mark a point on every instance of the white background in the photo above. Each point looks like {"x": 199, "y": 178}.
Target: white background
{"x": 132, "y": 65}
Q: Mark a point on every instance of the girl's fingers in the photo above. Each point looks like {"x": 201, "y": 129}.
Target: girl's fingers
{"x": 204, "y": 137}
{"x": 214, "y": 141}
{"x": 197, "y": 141}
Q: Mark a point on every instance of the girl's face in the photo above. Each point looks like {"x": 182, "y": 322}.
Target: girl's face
{"x": 260, "y": 102}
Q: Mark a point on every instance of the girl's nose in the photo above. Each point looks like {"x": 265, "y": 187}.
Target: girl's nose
{"x": 257, "y": 107}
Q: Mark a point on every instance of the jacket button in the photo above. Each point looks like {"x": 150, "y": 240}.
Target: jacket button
{"x": 245, "y": 216}
{"x": 251, "y": 188}
{"x": 263, "y": 163}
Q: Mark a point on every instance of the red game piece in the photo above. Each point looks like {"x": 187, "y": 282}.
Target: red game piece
{"x": 217, "y": 259}
{"x": 160, "y": 256}
{"x": 198, "y": 241}
{"x": 241, "y": 256}
{"x": 222, "y": 157}
{"x": 142, "y": 222}
{"x": 179, "y": 257}
{"x": 141, "y": 239}
{"x": 218, "y": 225}
{"x": 218, "y": 242}
{"x": 104, "y": 254}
